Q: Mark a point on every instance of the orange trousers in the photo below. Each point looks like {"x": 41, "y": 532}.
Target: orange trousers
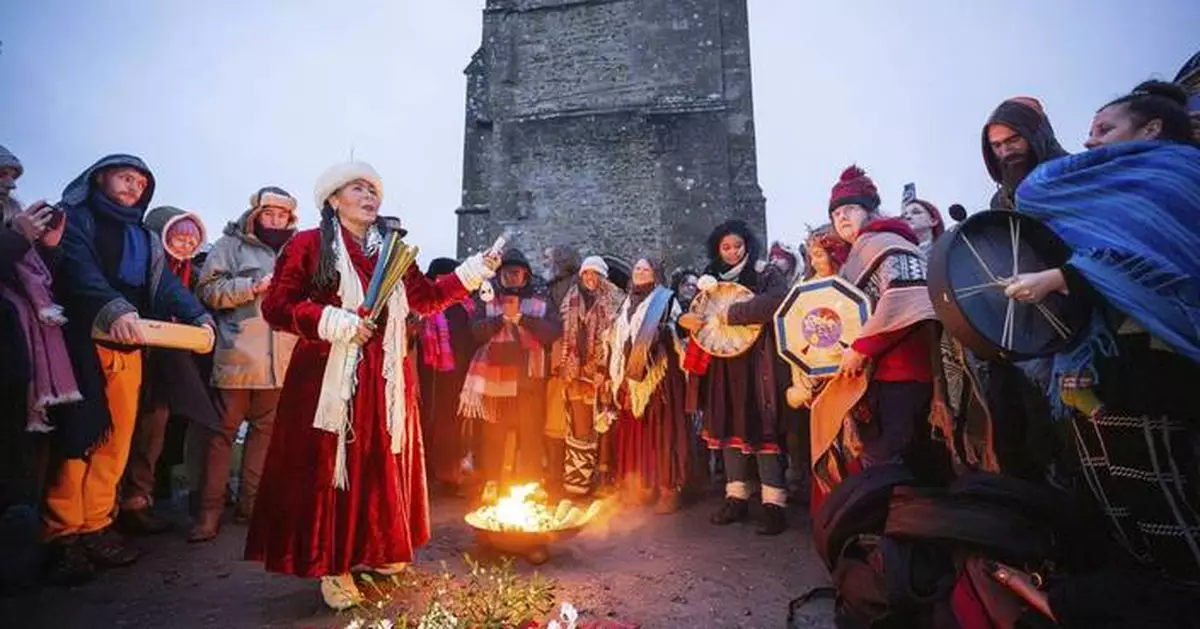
{"x": 82, "y": 495}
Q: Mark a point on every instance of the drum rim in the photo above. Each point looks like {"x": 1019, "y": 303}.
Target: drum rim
{"x": 946, "y": 306}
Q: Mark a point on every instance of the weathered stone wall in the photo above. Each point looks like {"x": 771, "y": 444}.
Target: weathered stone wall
{"x": 622, "y": 127}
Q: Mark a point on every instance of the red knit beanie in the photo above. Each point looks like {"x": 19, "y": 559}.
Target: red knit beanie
{"x": 854, "y": 186}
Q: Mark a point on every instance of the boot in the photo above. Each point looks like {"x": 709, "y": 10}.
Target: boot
{"x": 206, "y": 526}
{"x": 774, "y": 520}
{"x": 106, "y": 549}
{"x": 67, "y": 563}
{"x": 340, "y": 593}
{"x": 142, "y": 521}
{"x": 734, "y": 510}
{"x": 581, "y": 457}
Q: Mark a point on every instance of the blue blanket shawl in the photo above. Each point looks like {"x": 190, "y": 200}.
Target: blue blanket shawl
{"x": 1131, "y": 214}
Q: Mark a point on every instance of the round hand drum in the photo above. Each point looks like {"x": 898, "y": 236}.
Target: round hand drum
{"x": 716, "y": 337}
{"x": 969, "y": 268}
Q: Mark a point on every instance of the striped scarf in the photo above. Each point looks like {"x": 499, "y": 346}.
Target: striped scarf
{"x": 587, "y": 362}
{"x": 436, "y": 352}
{"x": 495, "y": 371}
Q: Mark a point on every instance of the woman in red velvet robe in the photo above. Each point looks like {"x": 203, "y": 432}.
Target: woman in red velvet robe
{"x": 344, "y": 482}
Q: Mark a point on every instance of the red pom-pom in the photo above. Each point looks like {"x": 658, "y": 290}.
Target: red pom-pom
{"x": 851, "y": 173}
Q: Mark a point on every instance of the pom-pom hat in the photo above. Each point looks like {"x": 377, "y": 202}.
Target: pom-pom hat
{"x": 854, "y": 187}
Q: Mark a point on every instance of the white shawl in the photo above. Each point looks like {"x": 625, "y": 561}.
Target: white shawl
{"x": 340, "y": 379}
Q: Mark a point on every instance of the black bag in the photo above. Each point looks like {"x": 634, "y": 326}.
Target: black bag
{"x": 884, "y": 582}
{"x": 858, "y": 505}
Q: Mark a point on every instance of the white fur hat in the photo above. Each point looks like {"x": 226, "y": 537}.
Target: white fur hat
{"x": 339, "y": 175}
{"x": 594, "y": 263}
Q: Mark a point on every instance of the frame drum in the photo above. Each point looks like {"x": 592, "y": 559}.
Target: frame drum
{"x": 969, "y": 267}
{"x": 721, "y": 339}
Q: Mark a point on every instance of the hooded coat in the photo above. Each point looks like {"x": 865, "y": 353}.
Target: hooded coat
{"x": 249, "y": 354}
{"x": 1030, "y": 124}
{"x": 175, "y": 377}
{"x": 739, "y": 395}
{"x": 87, "y": 290}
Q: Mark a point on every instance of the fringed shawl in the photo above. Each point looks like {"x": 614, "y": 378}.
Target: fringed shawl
{"x": 1131, "y": 214}
{"x": 901, "y": 298}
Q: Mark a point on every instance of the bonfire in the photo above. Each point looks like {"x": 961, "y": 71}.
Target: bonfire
{"x": 522, "y": 523}
{"x": 524, "y": 510}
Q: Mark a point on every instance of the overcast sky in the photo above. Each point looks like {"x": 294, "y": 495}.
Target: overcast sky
{"x": 224, "y": 96}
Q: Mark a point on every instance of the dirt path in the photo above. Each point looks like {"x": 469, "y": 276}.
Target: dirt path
{"x": 661, "y": 571}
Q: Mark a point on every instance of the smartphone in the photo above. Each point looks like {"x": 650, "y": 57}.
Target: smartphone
{"x": 57, "y": 214}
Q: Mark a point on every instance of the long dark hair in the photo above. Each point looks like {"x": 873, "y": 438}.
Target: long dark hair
{"x": 1159, "y": 100}
{"x": 326, "y": 276}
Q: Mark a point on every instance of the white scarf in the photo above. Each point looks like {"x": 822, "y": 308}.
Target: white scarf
{"x": 624, "y": 327}
{"x": 340, "y": 379}
{"x": 732, "y": 274}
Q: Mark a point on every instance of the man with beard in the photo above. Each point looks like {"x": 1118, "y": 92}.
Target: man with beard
{"x": 1001, "y": 408}
{"x": 1016, "y": 138}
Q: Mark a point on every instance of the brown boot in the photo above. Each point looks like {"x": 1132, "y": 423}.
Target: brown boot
{"x": 206, "y": 527}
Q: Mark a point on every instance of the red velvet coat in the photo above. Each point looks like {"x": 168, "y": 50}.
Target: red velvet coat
{"x": 301, "y": 524}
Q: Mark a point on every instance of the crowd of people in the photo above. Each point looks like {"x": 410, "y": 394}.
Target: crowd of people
{"x": 495, "y": 370}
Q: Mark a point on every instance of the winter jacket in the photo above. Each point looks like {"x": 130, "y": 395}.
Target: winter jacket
{"x": 248, "y": 354}
{"x": 93, "y": 303}
{"x": 90, "y": 295}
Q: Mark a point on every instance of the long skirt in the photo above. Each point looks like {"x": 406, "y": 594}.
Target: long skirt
{"x": 654, "y": 450}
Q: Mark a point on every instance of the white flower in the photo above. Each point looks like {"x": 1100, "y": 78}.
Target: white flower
{"x": 706, "y": 283}
{"x": 569, "y": 615}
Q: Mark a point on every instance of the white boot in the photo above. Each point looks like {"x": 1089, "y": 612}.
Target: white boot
{"x": 340, "y": 592}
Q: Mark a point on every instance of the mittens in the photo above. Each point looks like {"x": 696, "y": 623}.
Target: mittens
{"x": 337, "y": 325}
{"x": 473, "y": 271}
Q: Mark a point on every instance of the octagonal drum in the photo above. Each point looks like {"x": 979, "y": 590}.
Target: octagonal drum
{"x": 817, "y": 320}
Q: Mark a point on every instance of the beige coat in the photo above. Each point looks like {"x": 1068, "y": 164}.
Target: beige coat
{"x": 248, "y": 354}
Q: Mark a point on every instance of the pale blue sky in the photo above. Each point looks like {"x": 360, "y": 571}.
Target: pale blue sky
{"x": 224, "y": 96}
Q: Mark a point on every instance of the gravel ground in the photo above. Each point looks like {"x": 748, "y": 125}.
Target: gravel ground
{"x": 660, "y": 571}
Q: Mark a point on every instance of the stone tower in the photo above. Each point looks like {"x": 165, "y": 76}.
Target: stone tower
{"x": 622, "y": 127}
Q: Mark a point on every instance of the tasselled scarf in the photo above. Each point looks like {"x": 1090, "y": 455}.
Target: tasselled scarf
{"x": 628, "y": 322}
{"x": 1128, "y": 213}
{"x": 436, "y": 351}
{"x": 340, "y": 380}
{"x": 493, "y": 382}
{"x": 41, "y": 320}
{"x": 891, "y": 269}
{"x": 588, "y": 362}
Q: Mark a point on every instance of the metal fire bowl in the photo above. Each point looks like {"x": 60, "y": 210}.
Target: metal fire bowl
{"x": 531, "y": 545}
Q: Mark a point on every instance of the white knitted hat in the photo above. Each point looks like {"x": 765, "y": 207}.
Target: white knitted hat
{"x": 341, "y": 174}
{"x": 594, "y": 263}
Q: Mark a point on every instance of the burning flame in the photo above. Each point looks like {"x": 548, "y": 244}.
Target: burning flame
{"x": 517, "y": 511}
{"x": 521, "y": 510}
